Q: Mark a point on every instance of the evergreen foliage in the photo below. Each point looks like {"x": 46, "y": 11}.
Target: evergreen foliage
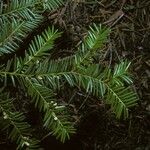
{"x": 18, "y": 18}
{"x": 40, "y": 76}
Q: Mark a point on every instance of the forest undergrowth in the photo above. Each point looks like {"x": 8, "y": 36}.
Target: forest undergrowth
{"x": 92, "y": 123}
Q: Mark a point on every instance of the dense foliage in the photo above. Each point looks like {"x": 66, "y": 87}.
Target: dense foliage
{"x": 39, "y": 76}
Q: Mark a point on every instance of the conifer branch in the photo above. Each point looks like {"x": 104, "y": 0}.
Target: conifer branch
{"x": 14, "y": 121}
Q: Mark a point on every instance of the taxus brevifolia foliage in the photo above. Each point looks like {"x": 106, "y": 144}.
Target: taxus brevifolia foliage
{"x": 39, "y": 76}
{"x": 18, "y": 18}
